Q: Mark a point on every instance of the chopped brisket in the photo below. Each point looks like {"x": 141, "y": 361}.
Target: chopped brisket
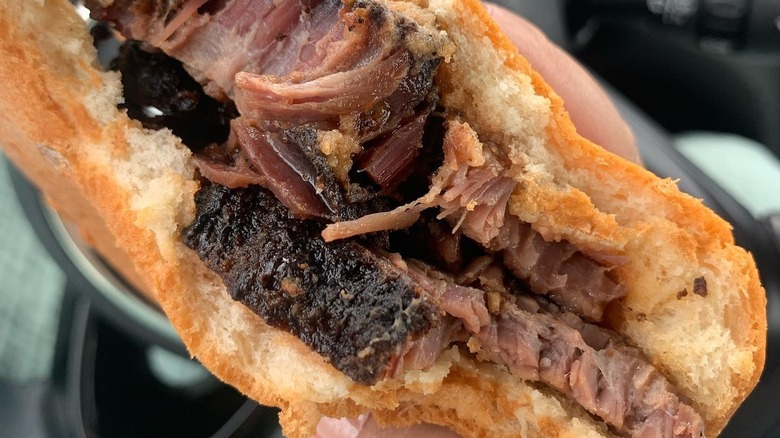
{"x": 215, "y": 43}
{"x": 328, "y": 97}
{"x": 558, "y": 270}
{"x": 472, "y": 193}
{"x": 290, "y": 175}
{"x": 390, "y": 161}
{"x": 539, "y": 342}
{"x": 290, "y": 163}
{"x": 134, "y": 18}
{"x": 232, "y": 176}
{"x": 322, "y": 64}
{"x": 266, "y": 37}
{"x": 415, "y": 88}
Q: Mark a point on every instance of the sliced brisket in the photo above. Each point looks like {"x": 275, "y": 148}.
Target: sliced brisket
{"x": 348, "y": 304}
{"x": 372, "y": 317}
{"x": 217, "y": 42}
{"x": 365, "y": 314}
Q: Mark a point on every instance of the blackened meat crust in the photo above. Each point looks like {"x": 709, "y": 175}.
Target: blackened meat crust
{"x": 350, "y": 305}
{"x": 323, "y": 178}
{"x": 153, "y": 79}
{"x": 415, "y": 88}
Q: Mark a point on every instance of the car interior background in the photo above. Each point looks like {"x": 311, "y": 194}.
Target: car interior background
{"x": 83, "y": 354}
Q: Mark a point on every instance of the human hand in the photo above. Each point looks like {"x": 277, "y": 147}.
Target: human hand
{"x": 365, "y": 427}
{"x": 581, "y": 95}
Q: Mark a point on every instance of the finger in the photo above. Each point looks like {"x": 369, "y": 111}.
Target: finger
{"x": 366, "y": 427}
{"x": 591, "y": 110}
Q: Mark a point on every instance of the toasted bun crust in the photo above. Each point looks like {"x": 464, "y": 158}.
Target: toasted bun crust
{"x": 59, "y": 122}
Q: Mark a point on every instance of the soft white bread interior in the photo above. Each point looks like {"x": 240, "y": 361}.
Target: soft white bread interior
{"x": 59, "y": 122}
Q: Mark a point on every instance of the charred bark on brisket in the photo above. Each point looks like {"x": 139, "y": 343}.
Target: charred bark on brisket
{"x": 152, "y": 79}
{"x": 344, "y": 202}
{"x": 403, "y": 103}
{"x": 348, "y": 304}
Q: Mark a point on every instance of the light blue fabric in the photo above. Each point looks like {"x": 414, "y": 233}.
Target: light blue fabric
{"x": 31, "y": 287}
{"x": 747, "y": 170}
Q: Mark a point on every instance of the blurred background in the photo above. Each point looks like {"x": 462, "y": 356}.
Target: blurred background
{"x": 83, "y": 354}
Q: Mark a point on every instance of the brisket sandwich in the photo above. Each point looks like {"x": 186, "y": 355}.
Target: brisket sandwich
{"x": 378, "y": 206}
